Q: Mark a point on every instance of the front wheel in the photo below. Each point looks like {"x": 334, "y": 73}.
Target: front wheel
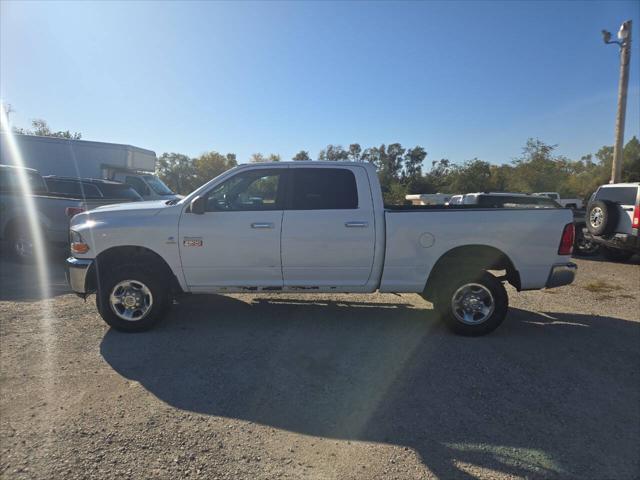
{"x": 132, "y": 299}
{"x": 472, "y": 305}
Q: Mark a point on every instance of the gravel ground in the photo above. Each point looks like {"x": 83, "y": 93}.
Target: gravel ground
{"x": 326, "y": 386}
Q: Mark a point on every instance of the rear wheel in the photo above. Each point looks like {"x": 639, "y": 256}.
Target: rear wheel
{"x": 21, "y": 244}
{"x": 132, "y": 298}
{"x": 616, "y": 255}
{"x": 472, "y": 304}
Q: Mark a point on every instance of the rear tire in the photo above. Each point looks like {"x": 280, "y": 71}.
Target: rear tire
{"x": 21, "y": 246}
{"x": 132, "y": 298}
{"x": 602, "y": 217}
{"x": 472, "y": 304}
{"x": 615, "y": 255}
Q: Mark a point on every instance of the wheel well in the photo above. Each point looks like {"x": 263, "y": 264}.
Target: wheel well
{"x": 115, "y": 257}
{"x": 470, "y": 258}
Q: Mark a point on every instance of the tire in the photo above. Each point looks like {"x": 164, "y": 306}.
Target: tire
{"x": 473, "y": 288}
{"x": 143, "y": 294}
{"x": 21, "y": 248}
{"x": 616, "y": 255}
{"x": 583, "y": 247}
{"x": 602, "y": 217}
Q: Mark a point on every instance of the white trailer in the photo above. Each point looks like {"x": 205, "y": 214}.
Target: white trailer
{"x": 428, "y": 198}
{"x": 85, "y": 159}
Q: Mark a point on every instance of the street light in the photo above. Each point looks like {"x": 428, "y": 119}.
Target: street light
{"x": 624, "y": 42}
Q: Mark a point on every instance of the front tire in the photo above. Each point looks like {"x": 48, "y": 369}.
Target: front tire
{"x": 472, "y": 304}
{"x": 132, "y": 298}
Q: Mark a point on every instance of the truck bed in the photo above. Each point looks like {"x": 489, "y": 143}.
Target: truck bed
{"x": 417, "y": 236}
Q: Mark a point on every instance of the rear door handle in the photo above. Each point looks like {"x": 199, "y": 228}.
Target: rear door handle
{"x": 262, "y": 225}
{"x": 356, "y": 224}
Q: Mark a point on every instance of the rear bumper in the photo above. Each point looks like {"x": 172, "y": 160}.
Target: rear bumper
{"x": 621, "y": 241}
{"x": 562, "y": 274}
{"x": 76, "y": 272}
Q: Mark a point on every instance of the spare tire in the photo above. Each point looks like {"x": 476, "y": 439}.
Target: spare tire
{"x": 602, "y": 217}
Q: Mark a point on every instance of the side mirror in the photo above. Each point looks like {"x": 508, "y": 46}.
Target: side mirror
{"x": 198, "y": 205}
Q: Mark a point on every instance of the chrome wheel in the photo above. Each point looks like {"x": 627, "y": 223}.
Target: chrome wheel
{"x": 472, "y": 304}
{"x": 596, "y": 217}
{"x": 23, "y": 246}
{"x": 131, "y": 300}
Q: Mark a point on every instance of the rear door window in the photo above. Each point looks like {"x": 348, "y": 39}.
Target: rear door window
{"x": 619, "y": 195}
{"x": 323, "y": 189}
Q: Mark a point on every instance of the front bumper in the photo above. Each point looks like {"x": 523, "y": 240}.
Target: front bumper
{"x": 76, "y": 272}
{"x": 562, "y": 274}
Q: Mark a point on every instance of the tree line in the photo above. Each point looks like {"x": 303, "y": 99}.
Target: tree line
{"x": 402, "y": 170}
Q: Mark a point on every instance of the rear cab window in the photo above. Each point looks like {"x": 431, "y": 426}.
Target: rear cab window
{"x": 323, "y": 189}
{"x": 620, "y": 195}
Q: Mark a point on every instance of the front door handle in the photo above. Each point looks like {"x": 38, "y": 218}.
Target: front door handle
{"x": 262, "y": 225}
{"x": 356, "y": 224}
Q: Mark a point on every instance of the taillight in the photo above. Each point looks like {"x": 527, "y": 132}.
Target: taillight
{"x": 566, "y": 242}
{"x": 636, "y": 217}
{"x": 71, "y": 211}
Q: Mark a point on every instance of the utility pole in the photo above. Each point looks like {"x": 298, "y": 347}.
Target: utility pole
{"x": 624, "y": 42}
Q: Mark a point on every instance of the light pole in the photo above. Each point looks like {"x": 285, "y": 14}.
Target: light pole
{"x": 624, "y": 42}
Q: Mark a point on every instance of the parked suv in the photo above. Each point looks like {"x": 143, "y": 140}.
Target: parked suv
{"x": 613, "y": 219}
{"x": 92, "y": 188}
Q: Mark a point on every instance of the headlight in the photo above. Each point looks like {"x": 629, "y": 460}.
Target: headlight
{"x": 78, "y": 245}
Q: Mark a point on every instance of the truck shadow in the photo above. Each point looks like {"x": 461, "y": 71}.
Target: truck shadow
{"x": 546, "y": 395}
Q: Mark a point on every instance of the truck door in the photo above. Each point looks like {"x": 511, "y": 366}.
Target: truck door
{"x": 328, "y": 231}
{"x": 236, "y": 242}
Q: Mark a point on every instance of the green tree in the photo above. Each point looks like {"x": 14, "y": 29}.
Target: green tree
{"x": 178, "y": 172}
{"x": 41, "y": 128}
{"x": 211, "y": 164}
{"x": 301, "y": 156}
{"x": 413, "y": 159}
{"x": 355, "y": 152}
{"x": 333, "y": 153}
{"x": 473, "y": 176}
{"x": 260, "y": 158}
{"x": 631, "y": 164}
{"x": 538, "y": 169}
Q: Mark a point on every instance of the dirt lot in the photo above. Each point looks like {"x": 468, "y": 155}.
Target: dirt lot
{"x": 339, "y": 386}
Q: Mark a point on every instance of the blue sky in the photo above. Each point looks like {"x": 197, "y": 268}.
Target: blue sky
{"x": 462, "y": 79}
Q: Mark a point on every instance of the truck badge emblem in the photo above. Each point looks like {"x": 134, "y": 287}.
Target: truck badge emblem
{"x": 192, "y": 242}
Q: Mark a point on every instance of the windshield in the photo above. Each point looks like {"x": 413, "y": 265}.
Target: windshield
{"x": 157, "y": 185}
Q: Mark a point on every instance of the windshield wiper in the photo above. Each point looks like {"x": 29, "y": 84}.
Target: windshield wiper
{"x": 173, "y": 201}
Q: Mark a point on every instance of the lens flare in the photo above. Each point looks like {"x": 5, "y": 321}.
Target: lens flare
{"x": 42, "y": 270}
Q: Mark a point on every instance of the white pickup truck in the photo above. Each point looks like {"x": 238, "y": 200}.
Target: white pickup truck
{"x": 313, "y": 227}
